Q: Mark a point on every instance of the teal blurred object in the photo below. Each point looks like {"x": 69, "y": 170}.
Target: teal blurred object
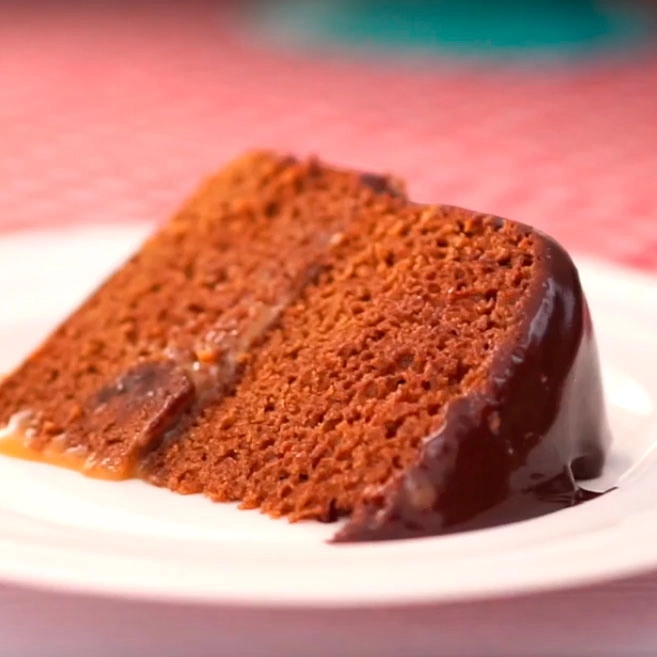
{"x": 553, "y": 28}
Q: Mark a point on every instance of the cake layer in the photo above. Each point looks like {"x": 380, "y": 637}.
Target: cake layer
{"x": 306, "y": 341}
{"x": 184, "y": 314}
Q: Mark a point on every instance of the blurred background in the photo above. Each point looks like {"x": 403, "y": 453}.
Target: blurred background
{"x": 542, "y": 111}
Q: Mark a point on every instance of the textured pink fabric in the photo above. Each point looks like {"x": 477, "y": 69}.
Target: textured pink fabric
{"x": 113, "y": 115}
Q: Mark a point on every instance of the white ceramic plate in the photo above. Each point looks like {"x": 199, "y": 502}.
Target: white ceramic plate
{"x": 61, "y": 530}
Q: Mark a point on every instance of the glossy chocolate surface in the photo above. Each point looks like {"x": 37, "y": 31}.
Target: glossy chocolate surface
{"x": 514, "y": 449}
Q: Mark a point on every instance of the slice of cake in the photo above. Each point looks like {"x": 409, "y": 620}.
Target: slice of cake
{"x": 307, "y": 341}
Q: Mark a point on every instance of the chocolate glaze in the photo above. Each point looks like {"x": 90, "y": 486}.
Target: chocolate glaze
{"x": 514, "y": 449}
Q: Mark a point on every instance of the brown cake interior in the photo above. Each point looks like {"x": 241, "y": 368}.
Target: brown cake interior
{"x": 288, "y": 340}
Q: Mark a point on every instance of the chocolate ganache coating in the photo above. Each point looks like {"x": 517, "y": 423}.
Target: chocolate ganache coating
{"x": 514, "y": 449}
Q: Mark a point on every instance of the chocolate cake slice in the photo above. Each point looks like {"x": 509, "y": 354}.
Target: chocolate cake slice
{"x": 307, "y": 341}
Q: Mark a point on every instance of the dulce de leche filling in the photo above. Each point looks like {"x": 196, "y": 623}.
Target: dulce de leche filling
{"x": 17, "y": 441}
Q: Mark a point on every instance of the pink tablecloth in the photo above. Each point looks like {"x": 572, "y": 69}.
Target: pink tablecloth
{"x": 109, "y": 115}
